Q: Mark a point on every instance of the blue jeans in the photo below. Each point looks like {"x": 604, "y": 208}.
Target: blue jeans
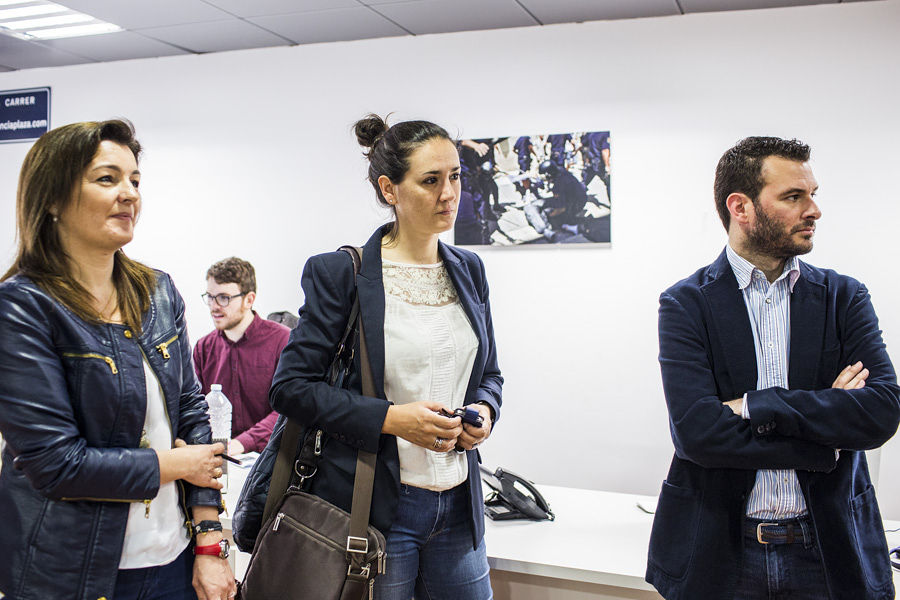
{"x": 166, "y": 582}
{"x": 429, "y": 550}
{"x": 780, "y": 569}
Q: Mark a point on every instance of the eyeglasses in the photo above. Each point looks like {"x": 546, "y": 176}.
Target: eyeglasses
{"x": 222, "y": 300}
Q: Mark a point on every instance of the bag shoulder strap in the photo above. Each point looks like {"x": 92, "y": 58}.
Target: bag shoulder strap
{"x": 364, "y": 481}
{"x": 289, "y": 447}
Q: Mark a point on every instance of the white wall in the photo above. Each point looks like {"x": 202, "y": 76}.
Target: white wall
{"x": 249, "y": 153}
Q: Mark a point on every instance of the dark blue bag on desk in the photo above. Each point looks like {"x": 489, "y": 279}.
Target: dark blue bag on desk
{"x": 247, "y": 519}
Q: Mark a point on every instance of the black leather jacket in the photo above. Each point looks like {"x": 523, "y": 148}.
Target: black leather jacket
{"x": 72, "y": 405}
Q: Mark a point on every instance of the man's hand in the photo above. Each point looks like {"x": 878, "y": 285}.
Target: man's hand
{"x": 480, "y": 148}
{"x": 853, "y": 377}
{"x": 235, "y": 448}
{"x": 736, "y": 406}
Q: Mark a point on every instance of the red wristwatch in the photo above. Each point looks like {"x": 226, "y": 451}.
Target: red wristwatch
{"x": 220, "y": 549}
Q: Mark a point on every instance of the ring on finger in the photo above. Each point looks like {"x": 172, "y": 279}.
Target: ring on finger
{"x": 438, "y": 443}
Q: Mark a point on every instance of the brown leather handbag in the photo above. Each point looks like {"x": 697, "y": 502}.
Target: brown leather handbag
{"x": 309, "y": 549}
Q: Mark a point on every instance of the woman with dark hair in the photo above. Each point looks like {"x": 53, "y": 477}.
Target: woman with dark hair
{"x": 424, "y": 307}
{"x": 106, "y": 441}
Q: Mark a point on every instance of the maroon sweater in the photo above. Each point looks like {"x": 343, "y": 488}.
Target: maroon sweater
{"x": 245, "y": 369}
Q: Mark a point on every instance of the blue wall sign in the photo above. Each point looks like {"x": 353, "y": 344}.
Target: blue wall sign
{"x": 24, "y": 114}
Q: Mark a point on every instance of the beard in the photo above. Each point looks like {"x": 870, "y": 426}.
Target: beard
{"x": 229, "y": 322}
{"x": 770, "y": 237}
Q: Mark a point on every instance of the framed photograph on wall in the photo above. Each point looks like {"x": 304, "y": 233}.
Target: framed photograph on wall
{"x": 535, "y": 189}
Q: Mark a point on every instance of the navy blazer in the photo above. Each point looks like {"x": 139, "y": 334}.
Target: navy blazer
{"x": 707, "y": 357}
{"x": 300, "y": 389}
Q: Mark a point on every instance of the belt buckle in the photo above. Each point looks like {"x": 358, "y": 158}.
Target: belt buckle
{"x": 759, "y": 532}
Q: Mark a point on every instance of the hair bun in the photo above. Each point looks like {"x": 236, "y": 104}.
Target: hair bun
{"x": 369, "y": 129}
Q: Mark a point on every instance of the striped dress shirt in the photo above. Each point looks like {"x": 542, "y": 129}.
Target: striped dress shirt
{"x": 776, "y": 495}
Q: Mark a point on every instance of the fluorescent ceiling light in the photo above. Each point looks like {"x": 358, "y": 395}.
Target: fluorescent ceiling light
{"x": 63, "y": 23}
{"x": 46, "y": 22}
{"x": 31, "y": 11}
{"x": 78, "y": 30}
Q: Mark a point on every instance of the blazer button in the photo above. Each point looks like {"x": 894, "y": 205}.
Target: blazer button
{"x": 128, "y": 335}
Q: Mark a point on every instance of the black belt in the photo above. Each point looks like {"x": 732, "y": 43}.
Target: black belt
{"x": 791, "y": 531}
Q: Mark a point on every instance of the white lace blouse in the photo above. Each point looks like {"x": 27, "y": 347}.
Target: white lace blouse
{"x": 429, "y": 352}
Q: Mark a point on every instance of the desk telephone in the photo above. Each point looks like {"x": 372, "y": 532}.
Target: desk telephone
{"x": 514, "y": 497}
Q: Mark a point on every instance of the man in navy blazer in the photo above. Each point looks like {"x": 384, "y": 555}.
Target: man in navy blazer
{"x": 776, "y": 380}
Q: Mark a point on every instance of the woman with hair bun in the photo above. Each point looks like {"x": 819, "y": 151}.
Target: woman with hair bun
{"x": 424, "y": 306}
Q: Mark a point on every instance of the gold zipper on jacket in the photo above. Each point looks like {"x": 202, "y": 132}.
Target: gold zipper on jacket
{"x": 112, "y": 367}
{"x": 164, "y": 347}
{"x": 109, "y": 361}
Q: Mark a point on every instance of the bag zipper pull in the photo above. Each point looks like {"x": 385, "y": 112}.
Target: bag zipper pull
{"x": 371, "y": 589}
{"x": 278, "y": 521}
{"x": 147, "y": 508}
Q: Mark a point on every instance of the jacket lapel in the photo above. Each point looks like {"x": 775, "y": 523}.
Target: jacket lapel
{"x": 729, "y": 314}
{"x": 371, "y": 306}
{"x": 465, "y": 290}
{"x": 807, "y": 331}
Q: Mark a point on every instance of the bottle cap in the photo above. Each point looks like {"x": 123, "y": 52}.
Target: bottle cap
{"x": 216, "y": 387}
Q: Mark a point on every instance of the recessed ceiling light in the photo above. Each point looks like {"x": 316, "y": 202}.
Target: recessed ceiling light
{"x": 63, "y": 23}
{"x": 46, "y": 22}
{"x": 77, "y": 31}
{"x": 46, "y": 8}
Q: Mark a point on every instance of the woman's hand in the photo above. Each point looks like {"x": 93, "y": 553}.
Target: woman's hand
{"x": 471, "y": 436}
{"x": 213, "y": 579}
{"x": 422, "y": 424}
{"x": 196, "y": 464}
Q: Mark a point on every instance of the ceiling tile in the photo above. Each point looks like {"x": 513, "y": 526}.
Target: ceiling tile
{"x": 259, "y": 8}
{"x": 122, "y": 45}
{"x": 140, "y": 14}
{"x": 439, "y": 16}
{"x": 217, "y": 36}
{"x": 572, "y": 11}
{"x": 692, "y": 6}
{"x": 330, "y": 25}
{"x": 21, "y": 54}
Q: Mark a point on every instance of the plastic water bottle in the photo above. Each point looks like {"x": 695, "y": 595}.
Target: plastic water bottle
{"x": 220, "y": 421}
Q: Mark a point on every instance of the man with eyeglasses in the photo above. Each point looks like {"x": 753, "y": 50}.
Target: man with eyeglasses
{"x": 241, "y": 354}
